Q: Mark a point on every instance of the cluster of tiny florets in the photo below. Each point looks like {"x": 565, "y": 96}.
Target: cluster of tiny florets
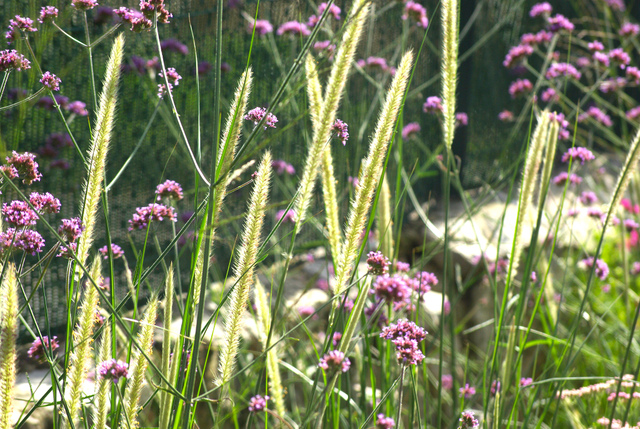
{"x": 258, "y": 403}
{"x": 255, "y": 115}
{"x": 335, "y": 361}
{"x": 113, "y": 370}
{"x": 377, "y": 263}
{"x": 342, "y": 130}
{"x": 22, "y": 165}
{"x": 169, "y": 189}
{"x": 405, "y": 336}
{"x": 39, "y": 346}
{"x": 152, "y": 212}
{"x": 115, "y": 250}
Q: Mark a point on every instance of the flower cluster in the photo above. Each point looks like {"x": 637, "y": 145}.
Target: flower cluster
{"x": 286, "y": 216}
{"x": 467, "y": 391}
{"x": 432, "y": 105}
{"x": 262, "y": 26}
{"x": 281, "y": 167}
{"x": 578, "y": 153}
{"x": 410, "y": 129}
{"x": 51, "y": 81}
{"x": 405, "y": 336}
{"x": 468, "y": 419}
{"x": 258, "y": 403}
{"x": 12, "y": 60}
{"x": 335, "y": 361}
{"x": 115, "y": 250}
{"x": 384, "y": 422}
{"x": 377, "y": 263}
{"x": 44, "y": 203}
{"x": 84, "y": 4}
{"x": 293, "y": 28}
{"x": 173, "y": 77}
{"x": 416, "y": 12}
{"x": 152, "y": 212}
{"x": 169, "y": 189}
{"x": 602, "y": 269}
{"x": 113, "y": 370}
{"x": 342, "y": 131}
{"x": 18, "y": 213}
{"x": 22, "y": 165}
{"x": 39, "y": 346}
{"x": 47, "y": 13}
{"x": 562, "y": 178}
{"x": 27, "y": 240}
{"x": 376, "y": 63}
{"x": 255, "y": 115}
{"x": 18, "y": 24}
{"x": 520, "y": 87}
{"x": 562, "y": 69}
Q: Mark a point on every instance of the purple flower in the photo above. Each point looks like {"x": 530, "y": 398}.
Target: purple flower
{"x": 581, "y": 154}
{"x": 562, "y": 69}
{"x": 550, "y": 95}
{"x": 467, "y": 391}
{"x": 517, "y": 54}
{"x": 263, "y": 27}
{"x": 286, "y": 216}
{"x": 172, "y": 76}
{"x": 17, "y": 24}
{"x": 601, "y": 58}
{"x": 174, "y": 45}
{"x": 51, "y": 81}
{"x": 333, "y": 10}
{"x": 520, "y": 87}
{"x": 633, "y": 74}
{"x": 378, "y": 263}
{"x": 71, "y": 229}
{"x": 293, "y": 28}
{"x": 306, "y": 311}
{"x": 596, "y": 46}
{"x": 526, "y": 381}
{"x": 77, "y": 107}
{"x": 620, "y": 57}
{"x": 353, "y": 181}
{"x": 113, "y": 370}
{"x": 342, "y": 131}
{"x": 325, "y": 44}
{"x": 391, "y": 288}
{"x": 423, "y": 281}
{"x": 558, "y": 23}
{"x": 255, "y": 115}
{"x": 432, "y": 105}
{"x": 404, "y": 328}
{"x": 630, "y": 224}
{"x": 633, "y": 113}
{"x": 169, "y": 189}
{"x": 115, "y": 250}
{"x": 44, "y": 203}
{"x": 39, "y": 346}
{"x": 258, "y": 403}
{"x": 384, "y": 422}
{"x": 26, "y": 240}
{"x": 468, "y": 420}
{"x": 505, "y": 116}
{"x": 410, "y": 129}
{"x": 540, "y": 37}
{"x": 84, "y": 4}
{"x": 417, "y": 12}
{"x": 462, "y": 120}
{"x": 22, "y": 165}
{"x": 335, "y": 361}
{"x": 407, "y": 351}
{"x": 374, "y": 63}
{"x": 402, "y": 267}
{"x": 447, "y": 381}
{"x": 337, "y": 336}
{"x": 152, "y": 212}
{"x": 136, "y": 19}
{"x": 18, "y": 213}
{"x": 281, "y": 167}
{"x": 602, "y": 269}
{"x": 613, "y": 84}
{"x": 47, "y": 13}
{"x": 628, "y": 29}
{"x": 540, "y": 9}
{"x": 562, "y": 178}
{"x": 588, "y": 197}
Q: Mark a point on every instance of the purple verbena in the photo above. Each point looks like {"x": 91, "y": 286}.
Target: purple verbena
{"x": 51, "y": 81}
{"x": 40, "y": 346}
{"x": 47, "y": 13}
{"x": 18, "y": 213}
{"x": 44, "y": 203}
{"x": 22, "y": 165}
{"x": 255, "y": 115}
{"x": 335, "y": 361}
{"x": 113, "y": 370}
{"x": 153, "y": 212}
{"x": 581, "y": 154}
{"x": 71, "y": 229}
{"x": 468, "y": 421}
{"x": 115, "y": 250}
{"x": 84, "y": 4}
{"x": 416, "y": 12}
{"x": 169, "y": 189}
{"x": 432, "y": 105}
{"x": 601, "y": 270}
{"x": 258, "y": 403}
{"x": 293, "y": 28}
{"x": 342, "y": 131}
{"x": 377, "y": 263}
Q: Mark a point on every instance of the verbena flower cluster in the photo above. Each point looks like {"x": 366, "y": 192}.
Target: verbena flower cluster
{"x": 113, "y": 370}
{"x": 38, "y": 348}
{"x": 406, "y": 336}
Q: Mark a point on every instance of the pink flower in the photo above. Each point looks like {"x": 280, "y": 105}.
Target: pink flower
{"x": 467, "y": 391}
{"x": 113, "y": 370}
{"x": 47, "y": 13}
{"x": 410, "y": 129}
{"x": 255, "y": 115}
{"x": 432, "y": 105}
{"x": 115, "y": 250}
{"x": 342, "y": 131}
{"x": 152, "y": 212}
{"x": 51, "y": 81}
{"x": 258, "y": 403}
{"x": 286, "y": 216}
{"x": 293, "y": 28}
{"x": 540, "y": 9}
{"x": 520, "y": 87}
{"x": 335, "y": 361}
{"x": 169, "y": 189}
{"x": 417, "y": 12}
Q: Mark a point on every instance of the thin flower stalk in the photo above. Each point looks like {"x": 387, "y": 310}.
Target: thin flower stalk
{"x": 103, "y": 386}
{"x": 166, "y": 398}
{"x": 99, "y": 148}
{"x": 329, "y": 193}
{"x": 385, "y": 222}
{"x": 244, "y": 269}
{"x": 450, "y": 16}
{"x": 532, "y": 165}
{"x": 81, "y": 355}
{"x": 8, "y": 335}
{"x": 264, "y": 322}
{"x": 330, "y": 104}
{"x": 371, "y": 174}
{"x": 139, "y": 366}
